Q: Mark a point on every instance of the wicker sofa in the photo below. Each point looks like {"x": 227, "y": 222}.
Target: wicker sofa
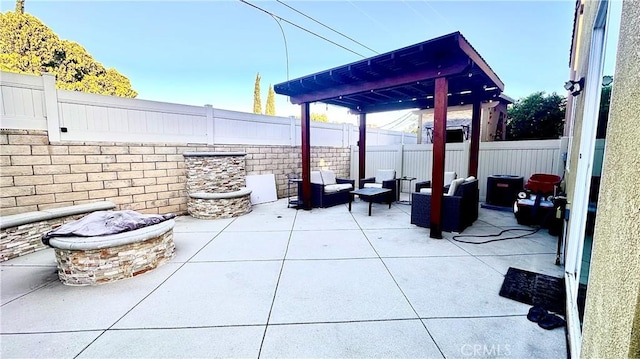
{"x": 459, "y": 206}
{"x": 327, "y": 190}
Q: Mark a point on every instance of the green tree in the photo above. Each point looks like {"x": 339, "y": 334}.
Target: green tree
{"x": 270, "y": 108}
{"x": 319, "y": 117}
{"x": 29, "y": 46}
{"x": 257, "y": 102}
{"x": 536, "y": 117}
{"x": 315, "y": 117}
{"x": 20, "y": 7}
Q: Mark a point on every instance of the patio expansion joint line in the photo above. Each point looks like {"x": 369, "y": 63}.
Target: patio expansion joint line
{"x": 53, "y": 332}
{"x": 423, "y": 256}
{"x": 514, "y": 254}
{"x": 236, "y": 260}
{"x": 188, "y": 327}
{"x": 29, "y": 292}
{"x": 401, "y": 291}
{"x": 151, "y": 292}
{"x": 28, "y": 266}
{"x": 347, "y": 321}
{"x": 477, "y": 316}
{"x": 328, "y": 259}
{"x": 275, "y": 291}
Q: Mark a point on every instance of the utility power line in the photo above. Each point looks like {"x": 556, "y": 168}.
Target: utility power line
{"x": 300, "y": 27}
{"x": 328, "y": 27}
{"x": 380, "y": 24}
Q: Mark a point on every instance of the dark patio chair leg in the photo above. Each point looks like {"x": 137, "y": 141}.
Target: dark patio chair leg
{"x": 370, "y": 202}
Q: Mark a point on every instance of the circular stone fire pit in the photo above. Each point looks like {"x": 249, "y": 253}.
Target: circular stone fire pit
{"x": 102, "y": 259}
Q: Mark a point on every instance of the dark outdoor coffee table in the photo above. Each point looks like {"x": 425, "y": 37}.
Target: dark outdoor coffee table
{"x": 370, "y": 193}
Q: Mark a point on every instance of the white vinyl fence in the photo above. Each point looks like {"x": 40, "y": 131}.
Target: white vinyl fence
{"x": 32, "y": 102}
{"x": 522, "y": 158}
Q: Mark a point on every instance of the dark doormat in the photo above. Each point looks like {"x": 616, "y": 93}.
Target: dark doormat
{"x": 534, "y": 289}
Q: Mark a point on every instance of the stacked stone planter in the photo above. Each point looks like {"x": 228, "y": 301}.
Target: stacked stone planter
{"x": 216, "y": 185}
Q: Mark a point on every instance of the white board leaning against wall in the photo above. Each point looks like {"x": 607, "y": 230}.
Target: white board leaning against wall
{"x": 263, "y": 188}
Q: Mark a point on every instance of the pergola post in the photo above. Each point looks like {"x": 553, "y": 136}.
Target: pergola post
{"x": 306, "y": 155}
{"x": 439, "y": 142}
{"x": 362, "y": 147}
{"x": 475, "y": 138}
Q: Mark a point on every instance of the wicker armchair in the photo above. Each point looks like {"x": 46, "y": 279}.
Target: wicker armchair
{"x": 327, "y": 190}
{"x": 448, "y": 178}
{"x": 459, "y": 210}
{"x": 383, "y": 179}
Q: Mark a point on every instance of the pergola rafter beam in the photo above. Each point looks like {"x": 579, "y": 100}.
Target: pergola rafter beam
{"x": 399, "y": 80}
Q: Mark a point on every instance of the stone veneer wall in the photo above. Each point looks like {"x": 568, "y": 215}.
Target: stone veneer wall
{"x": 219, "y": 208}
{"x": 145, "y": 177}
{"x": 106, "y": 265}
{"x": 27, "y": 238}
{"x": 215, "y": 173}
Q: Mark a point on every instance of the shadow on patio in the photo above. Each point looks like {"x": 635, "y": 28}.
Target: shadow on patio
{"x": 285, "y": 283}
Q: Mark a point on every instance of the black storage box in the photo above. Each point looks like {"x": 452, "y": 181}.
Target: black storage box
{"x": 527, "y": 213}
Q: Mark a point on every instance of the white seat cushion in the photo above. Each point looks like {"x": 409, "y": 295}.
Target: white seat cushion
{"x": 425, "y": 190}
{"x": 454, "y": 186}
{"x": 449, "y": 177}
{"x": 328, "y": 177}
{"x": 316, "y": 177}
{"x": 373, "y": 185}
{"x": 469, "y": 179}
{"x": 385, "y": 175}
{"x": 331, "y": 188}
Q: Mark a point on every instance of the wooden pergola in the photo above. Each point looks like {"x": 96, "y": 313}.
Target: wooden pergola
{"x": 436, "y": 73}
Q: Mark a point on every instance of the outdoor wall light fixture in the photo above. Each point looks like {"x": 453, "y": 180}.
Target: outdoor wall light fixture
{"x": 574, "y": 86}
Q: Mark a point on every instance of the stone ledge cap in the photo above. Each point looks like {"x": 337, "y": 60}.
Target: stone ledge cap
{"x": 239, "y": 193}
{"x": 19, "y": 219}
{"x": 213, "y": 154}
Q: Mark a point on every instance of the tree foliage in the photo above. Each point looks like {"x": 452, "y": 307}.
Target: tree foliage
{"x": 19, "y": 6}
{"x": 319, "y": 117}
{"x": 270, "y": 108}
{"x": 536, "y": 117}
{"x": 257, "y": 101}
{"x": 28, "y": 46}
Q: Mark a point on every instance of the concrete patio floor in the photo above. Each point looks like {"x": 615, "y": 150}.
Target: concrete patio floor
{"x": 281, "y": 282}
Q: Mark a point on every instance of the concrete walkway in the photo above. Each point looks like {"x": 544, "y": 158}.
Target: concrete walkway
{"x": 281, "y": 282}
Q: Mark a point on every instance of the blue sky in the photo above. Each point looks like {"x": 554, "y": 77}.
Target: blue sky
{"x": 208, "y": 52}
